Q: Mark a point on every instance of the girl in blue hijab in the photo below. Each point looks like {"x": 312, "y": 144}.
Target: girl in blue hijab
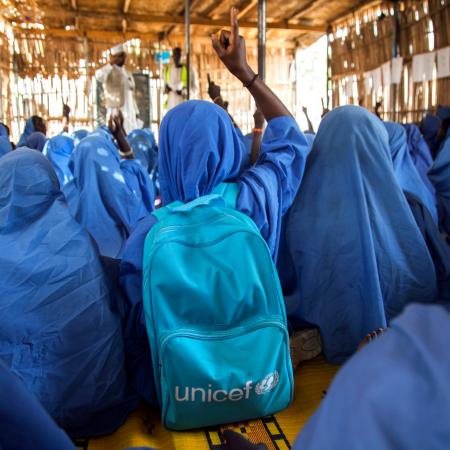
{"x": 393, "y": 394}
{"x": 106, "y": 196}
{"x": 58, "y": 151}
{"x": 144, "y": 148}
{"x": 199, "y": 149}
{"x": 404, "y": 169}
{"x": 439, "y": 175}
{"x": 32, "y": 125}
{"x": 5, "y": 145}
{"x": 58, "y": 331}
{"x": 352, "y": 255}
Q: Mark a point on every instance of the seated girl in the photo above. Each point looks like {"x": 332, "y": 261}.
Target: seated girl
{"x": 200, "y": 148}
{"x": 58, "y": 328}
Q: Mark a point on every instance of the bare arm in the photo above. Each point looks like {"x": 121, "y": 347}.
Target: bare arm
{"x": 66, "y": 118}
{"x": 230, "y": 47}
{"x": 116, "y": 126}
{"x": 257, "y": 134}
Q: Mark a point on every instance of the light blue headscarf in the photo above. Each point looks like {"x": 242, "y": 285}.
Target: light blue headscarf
{"x": 28, "y": 130}
{"x": 404, "y": 169}
{"x": 101, "y": 195}
{"x": 57, "y": 326}
{"x": 36, "y": 141}
{"x": 352, "y": 255}
{"x": 58, "y": 151}
{"x": 439, "y": 175}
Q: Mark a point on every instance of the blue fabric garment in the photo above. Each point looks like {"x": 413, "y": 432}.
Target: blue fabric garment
{"x": 5, "y": 145}
{"x": 77, "y": 135}
{"x": 58, "y": 330}
{"x": 393, "y": 394}
{"x": 200, "y": 148}
{"x": 352, "y": 256}
{"x": 443, "y": 112}
{"x": 144, "y": 147}
{"x": 24, "y": 423}
{"x": 430, "y": 129}
{"x": 404, "y": 169}
{"x": 101, "y": 195}
{"x": 36, "y": 141}
{"x": 310, "y": 138}
{"x": 58, "y": 151}
{"x": 438, "y": 248}
{"x": 3, "y": 131}
{"x": 439, "y": 175}
{"x": 420, "y": 154}
{"x": 28, "y": 130}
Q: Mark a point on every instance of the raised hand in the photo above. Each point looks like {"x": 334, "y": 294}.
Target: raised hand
{"x": 230, "y": 48}
{"x": 213, "y": 89}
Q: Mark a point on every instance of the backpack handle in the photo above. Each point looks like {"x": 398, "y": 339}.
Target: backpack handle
{"x": 205, "y": 200}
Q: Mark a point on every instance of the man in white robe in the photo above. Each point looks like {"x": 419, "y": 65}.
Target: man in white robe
{"x": 118, "y": 86}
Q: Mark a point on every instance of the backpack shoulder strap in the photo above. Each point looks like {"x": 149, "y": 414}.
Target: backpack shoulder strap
{"x": 229, "y": 192}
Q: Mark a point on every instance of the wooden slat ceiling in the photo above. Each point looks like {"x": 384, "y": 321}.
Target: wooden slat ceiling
{"x": 301, "y": 21}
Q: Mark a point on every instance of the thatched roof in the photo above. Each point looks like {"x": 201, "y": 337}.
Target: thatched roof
{"x": 289, "y": 21}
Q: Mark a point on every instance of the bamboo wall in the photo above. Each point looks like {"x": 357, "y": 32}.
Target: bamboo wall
{"x": 366, "y": 41}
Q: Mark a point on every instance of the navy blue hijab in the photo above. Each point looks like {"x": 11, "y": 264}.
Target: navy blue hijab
{"x": 58, "y": 330}
{"x": 352, "y": 256}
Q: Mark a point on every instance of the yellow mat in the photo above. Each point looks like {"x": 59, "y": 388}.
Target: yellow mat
{"x": 143, "y": 428}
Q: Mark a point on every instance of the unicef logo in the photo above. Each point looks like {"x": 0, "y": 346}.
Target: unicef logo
{"x": 267, "y": 384}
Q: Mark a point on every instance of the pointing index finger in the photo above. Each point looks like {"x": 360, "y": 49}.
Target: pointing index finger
{"x": 234, "y": 25}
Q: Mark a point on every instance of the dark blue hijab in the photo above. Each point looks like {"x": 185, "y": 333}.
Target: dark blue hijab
{"x": 27, "y": 131}
{"x": 352, "y": 256}
{"x": 36, "y": 141}
{"x": 58, "y": 330}
{"x": 404, "y": 169}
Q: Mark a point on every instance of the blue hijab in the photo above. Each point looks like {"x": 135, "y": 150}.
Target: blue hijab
{"x": 393, "y": 394}
{"x": 352, "y": 256}
{"x": 144, "y": 148}
{"x": 57, "y": 327}
{"x": 36, "y": 141}
{"x": 27, "y": 131}
{"x": 24, "y": 423}
{"x": 5, "y": 145}
{"x": 310, "y": 138}
{"x": 58, "y": 151}
{"x": 78, "y": 135}
{"x": 101, "y": 196}
{"x": 440, "y": 177}
{"x": 420, "y": 154}
{"x": 404, "y": 169}
{"x": 200, "y": 148}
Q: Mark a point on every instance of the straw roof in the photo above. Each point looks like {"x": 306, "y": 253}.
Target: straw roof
{"x": 288, "y": 21}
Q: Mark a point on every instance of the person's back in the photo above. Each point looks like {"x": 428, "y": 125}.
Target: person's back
{"x": 199, "y": 149}
{"x": 107, "y": 196}
{"x": 57, "y": 327}
{"x": 352, "y": 256}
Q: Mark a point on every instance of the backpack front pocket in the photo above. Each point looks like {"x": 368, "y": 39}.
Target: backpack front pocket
{"x": 212, "y": 377}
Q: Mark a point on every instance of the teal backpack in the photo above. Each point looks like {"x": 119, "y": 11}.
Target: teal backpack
{"x": 215, "y": 315}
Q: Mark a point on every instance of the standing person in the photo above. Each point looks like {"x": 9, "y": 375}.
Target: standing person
{"x": 118, "y": 85}
{"x": 176, "y": 79}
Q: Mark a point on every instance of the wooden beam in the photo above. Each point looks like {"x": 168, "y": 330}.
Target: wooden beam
{"x": 251, "y": 4}
{"x": 360, "y": 6}
{"x": 305, "y": 9}
{"x": 113, "y": 37}
{"x": 178, "y": 20}
{"x": 126, "y": 6}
